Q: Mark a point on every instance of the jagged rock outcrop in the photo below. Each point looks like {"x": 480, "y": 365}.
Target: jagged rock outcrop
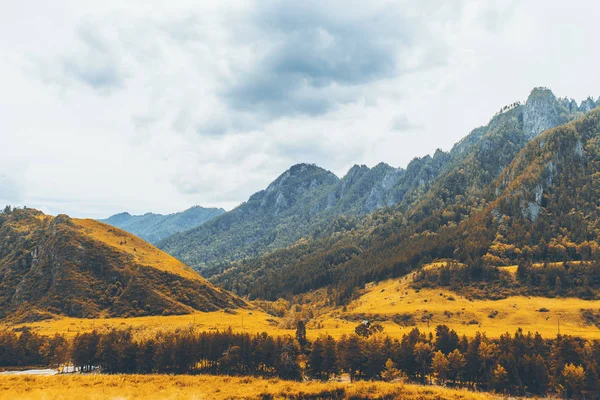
{"x": 290, "y": 187}
{"x": 541, "y": 112}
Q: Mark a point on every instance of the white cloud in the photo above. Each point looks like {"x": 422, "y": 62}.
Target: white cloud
{"x": 154, "y": 106}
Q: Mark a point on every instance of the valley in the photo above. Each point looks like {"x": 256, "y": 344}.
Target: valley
{"x": 337, "y": 200}
{"x": 436, "y": 273}
{"x": 394, "y": 303}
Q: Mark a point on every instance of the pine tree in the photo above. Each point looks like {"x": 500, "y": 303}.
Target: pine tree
{"x": 330, "y": 356}
{"x": 456, "y": 363}
{"x": 572, "y": 379}
{"x": 439, "y": 365}
{"x": 315, "y": 360}
{"x": 423, "y": 353}
{"x": 390, "y": 373}
{"x": 500, "y": 379}
{"x": 301, "y": 334}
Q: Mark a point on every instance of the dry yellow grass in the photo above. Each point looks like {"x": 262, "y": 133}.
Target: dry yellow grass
{"x": 396, "y": 297}
{"x": 143, "y": 252}
{"x": 387, "y": 298}
{"x": 252, "y": 320}
{"x": 513, "y": 268}
{"x": 100, "y": 387}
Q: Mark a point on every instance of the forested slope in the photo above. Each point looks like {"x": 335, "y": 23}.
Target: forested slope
{"x": 83, "y": 268}
{"x": 541, "y": 205}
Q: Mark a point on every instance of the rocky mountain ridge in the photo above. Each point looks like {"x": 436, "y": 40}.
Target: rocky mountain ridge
{"x": 305, "y": 199}
{"x": 542, "y": 208}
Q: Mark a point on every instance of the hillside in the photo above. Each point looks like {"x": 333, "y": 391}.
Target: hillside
{"x": 400, "y": 306}
{"x": 305, "y": 206}
{"x": 487, "y": 192}
{"x": 304, "y": 201}
{"x": 84, "y": 268}
{"x": 155, "y": 227}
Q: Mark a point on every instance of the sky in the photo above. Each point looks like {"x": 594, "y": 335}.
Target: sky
{"x": 154, "y": 106}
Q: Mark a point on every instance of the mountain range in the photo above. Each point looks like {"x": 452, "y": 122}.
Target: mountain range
{"x": 512, "y": 194}
{"x": 155, "y": 227}
{"x": 522, "y": 189}
{"x": 307, "y": 201}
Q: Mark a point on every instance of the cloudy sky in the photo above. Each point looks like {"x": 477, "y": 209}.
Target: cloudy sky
{"x": 139, "y": 106}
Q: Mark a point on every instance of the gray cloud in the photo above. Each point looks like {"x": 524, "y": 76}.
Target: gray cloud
{"x": 96, "y": 62}
{"x": 314, "y": 49}
{"x": 210, "y": 101}
{"x": 99, "y": 66}
{"x": 275, "y": 60}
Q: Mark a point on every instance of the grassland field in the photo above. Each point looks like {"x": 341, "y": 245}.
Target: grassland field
{"x": 143, "y": 252}
{"x": 169, "y": 387}
{"x": 383, "y": 301}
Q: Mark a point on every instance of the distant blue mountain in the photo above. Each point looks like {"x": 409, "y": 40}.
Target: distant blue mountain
{"x": 155, "y": 227}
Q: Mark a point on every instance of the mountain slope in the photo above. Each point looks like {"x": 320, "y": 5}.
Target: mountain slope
{"x": 303, "y": 201}
{"x": 155, "y": 227}
{"x": 427, "y": 185}
{"x": 448, "y": 221}
{"x": 271, "y": 218}
{"x": 84, "y": 268}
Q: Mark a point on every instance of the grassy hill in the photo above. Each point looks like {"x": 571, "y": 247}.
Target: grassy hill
{"x": 400, "y": 305}
{"x": 397, "y": 304}
{"x": 84, "y": 268}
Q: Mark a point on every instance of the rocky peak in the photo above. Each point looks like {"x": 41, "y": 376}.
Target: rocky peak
{"x": 62, "y": 219}
{"x": 299, "y": 173}
{"x": 587, "y": 105}
{"x": 542, "y": 111}
{"x": 299, "y": 179}
{"x": 569, "y": 104}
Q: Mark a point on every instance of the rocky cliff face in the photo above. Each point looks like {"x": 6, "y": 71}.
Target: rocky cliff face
{"x": 292, "y": 186}
{"x": 541, "y": 112}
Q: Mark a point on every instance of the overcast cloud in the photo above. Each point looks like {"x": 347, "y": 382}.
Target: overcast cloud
{"x": 156, "y": 106}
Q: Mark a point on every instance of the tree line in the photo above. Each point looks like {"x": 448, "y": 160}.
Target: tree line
{"x": 561, "y": 279}
{"x": 520, "y": 364}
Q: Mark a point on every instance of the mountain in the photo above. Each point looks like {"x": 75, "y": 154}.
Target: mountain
{"x": 451, "y": 217}
{"x": 84, "y": 268}
{"x": 426, "y": 184}
{"x": 271, "y": 218}
{"x": 303, "y": 201}
{"x": 155, "y": 227}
